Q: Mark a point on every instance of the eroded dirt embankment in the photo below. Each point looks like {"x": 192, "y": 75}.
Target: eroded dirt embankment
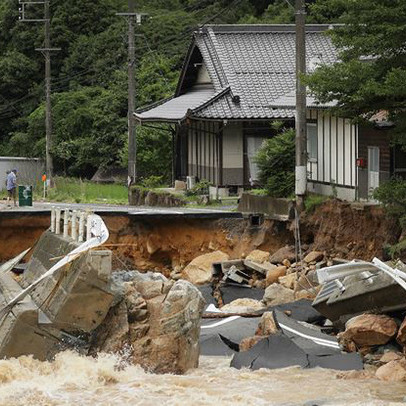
{"x": 350, "y": 230}
{"x": 164, "y": 243}
{"x": 169, "y": 243}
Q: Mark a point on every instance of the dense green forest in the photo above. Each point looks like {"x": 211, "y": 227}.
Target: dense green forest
{"x": 89, "y": 74}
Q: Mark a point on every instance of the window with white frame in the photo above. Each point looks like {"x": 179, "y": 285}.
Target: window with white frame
{"x": 312, "y": 143}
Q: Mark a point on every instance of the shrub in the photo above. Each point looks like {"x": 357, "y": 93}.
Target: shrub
{"x": 276, "y": 163}
{"x": 152, "y": 182}
{"x": 200, "y": 188}
{"x": 392, "y": 195}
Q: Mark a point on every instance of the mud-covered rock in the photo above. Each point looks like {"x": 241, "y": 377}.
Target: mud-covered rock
{"x": 199, "y": 271}
{"x": 367, "y": 330}
{"x": 287, "y": 252}
{"x": 288, "y": 281}
{"x": 156, "y": 322}
{"x": 401, "y": 337}
{"x": 243, "y": 305}
{"x": 267, "y": 325}
{"x": 277, "y": 294}
{"x": 394, "y": 371}
{"x": 258, "y": 256}
{"x": 390, "y": 356}
{"x": 273, "y": 275}
{"x": 249, "y": 342}
{"x": 313, "y": 256}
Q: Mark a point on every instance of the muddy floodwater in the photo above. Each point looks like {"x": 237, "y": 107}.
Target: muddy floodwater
{"x": 72, "y": 379}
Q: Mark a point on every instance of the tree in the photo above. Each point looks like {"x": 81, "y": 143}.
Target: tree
{"x": 371, "y": 73}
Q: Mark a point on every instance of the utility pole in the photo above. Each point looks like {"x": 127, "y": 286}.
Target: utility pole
{"x": 301, "y": 139}
{"x": 46, "y": 51}
{"x": 133, "y": 19}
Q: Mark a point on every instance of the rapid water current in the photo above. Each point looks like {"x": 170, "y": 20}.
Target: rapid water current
{"x": 72, "y": 379}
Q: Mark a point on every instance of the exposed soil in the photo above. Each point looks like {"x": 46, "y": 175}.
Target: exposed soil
{"x": 169, "y": 243}
{"x": 350, "y": 230}
{"x": 166, "y": 243}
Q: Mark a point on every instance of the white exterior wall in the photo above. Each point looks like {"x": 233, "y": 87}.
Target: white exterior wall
{"x": 336, "y": 161}
{"x": 29, "y": 170}
{"x": 233, "y": 156}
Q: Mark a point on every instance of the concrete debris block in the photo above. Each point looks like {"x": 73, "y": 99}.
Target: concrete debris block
{"x": 401, "y": 337}
{"x": 394, "y": 371}
{"x": 236, "y": 275}
{"x": 287, "y": 252}
{"x": 243, "y": 305}
{"x": 288, "y": 281}
{"x": 162, "y": 331}
{"x": 273, "y": 275}
{"x": 390, "y": 356}
{"x": 313, "y": 256}
{"x": 262, "y": 268}
{"x": 258, "y": 256}
{"x": 199, "y": 271}
{"x": 277, "y": 294}
{"x": 267, "y": 325}
{"x": 369, "y": 329}
{"x": 249, "y": 342}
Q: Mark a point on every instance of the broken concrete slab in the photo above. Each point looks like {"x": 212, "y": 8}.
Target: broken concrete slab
{"x": 287, "y": 252}
{"x": 262, "y": 268}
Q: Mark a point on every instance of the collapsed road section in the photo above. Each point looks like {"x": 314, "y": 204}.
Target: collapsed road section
{"x": 67, "y": 297}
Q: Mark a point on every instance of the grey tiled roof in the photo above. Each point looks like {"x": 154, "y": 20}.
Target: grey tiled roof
{"x": 289, "y": 101}
{"x": 257, "y": 64}
{"x": 175, "y": 109}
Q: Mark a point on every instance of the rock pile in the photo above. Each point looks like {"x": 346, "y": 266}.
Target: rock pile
{"x": 155, "y": 320}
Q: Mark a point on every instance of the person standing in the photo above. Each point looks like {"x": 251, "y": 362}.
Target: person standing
{"x": 12, "y": 187}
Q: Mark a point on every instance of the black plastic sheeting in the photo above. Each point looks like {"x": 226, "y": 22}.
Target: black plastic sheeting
{"x": 222, "y": 336}
{"x": 232, "y": 292}
{"x": 308, "y": 348}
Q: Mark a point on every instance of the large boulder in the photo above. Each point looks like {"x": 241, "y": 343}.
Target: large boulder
{"x": 258, "y": 256}
{"x": 277, "y": 294}
{"x": 394, "y": 371}
{"x": 287, "y": 252}
{"x": 199, "y": 271}
{"x": 369, "y": 329}
{"x": 155, "y": 321}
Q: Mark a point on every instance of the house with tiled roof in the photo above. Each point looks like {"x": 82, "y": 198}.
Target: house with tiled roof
{"x": 238, "y": 79}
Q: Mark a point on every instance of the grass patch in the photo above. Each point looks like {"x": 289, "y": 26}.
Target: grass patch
{"x": 313, "y": 201}
{"x": 259, "y": 192}
{"x": 72, "y": 190}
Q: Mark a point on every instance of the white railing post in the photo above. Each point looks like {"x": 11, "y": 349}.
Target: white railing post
{"x": 66, "y": 224}
{"x": 74, "y": 233}
{"x": 81, "y": 226}
{"x": 58, "y": 221}
{"x": 88, "y": 226}
{"x": 52, "y": 219}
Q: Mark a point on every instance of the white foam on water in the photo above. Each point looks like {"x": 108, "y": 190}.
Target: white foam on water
{"x": 108, "y": 380}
